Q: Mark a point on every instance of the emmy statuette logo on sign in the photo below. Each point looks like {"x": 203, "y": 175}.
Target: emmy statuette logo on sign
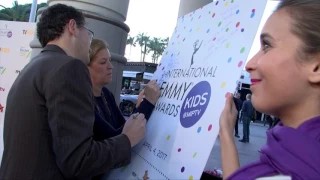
{"x": 4, "y": 31}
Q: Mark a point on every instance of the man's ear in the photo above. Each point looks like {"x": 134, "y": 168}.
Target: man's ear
{"x": 314, "y": 70}
{"x": 72, "y": 27}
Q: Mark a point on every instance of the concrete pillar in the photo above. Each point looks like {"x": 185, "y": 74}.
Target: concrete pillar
{"x": 106, "y": 19}
{"x": 187, "y": 6}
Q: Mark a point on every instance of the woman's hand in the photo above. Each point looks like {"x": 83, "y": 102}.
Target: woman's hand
{"x": 140, "y": 98}
{"x": 152, "y": 92}
{"x": 228, "y": 116}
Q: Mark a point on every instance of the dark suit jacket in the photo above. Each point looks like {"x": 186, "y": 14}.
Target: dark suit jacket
{"x": 247, "y": 109}
{"x": 48, "y": 126}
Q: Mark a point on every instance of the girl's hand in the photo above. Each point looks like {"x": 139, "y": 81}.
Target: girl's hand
{"x": 228, "y": 116}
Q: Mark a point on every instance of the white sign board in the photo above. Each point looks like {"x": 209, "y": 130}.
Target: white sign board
{"x": 202, "y": 63}
{"x": 14, "y": 55}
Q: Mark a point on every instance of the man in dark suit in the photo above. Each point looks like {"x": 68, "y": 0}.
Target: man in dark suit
{"x": 48, "y": 126}
{"x": 238, "y": 103}
{"x": 247, "y": 112}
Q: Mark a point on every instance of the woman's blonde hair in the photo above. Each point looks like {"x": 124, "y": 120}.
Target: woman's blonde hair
{"x": 96, "y": 46}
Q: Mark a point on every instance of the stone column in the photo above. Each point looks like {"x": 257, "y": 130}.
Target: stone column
{"x": 106, "y": 19}
{"x": 187, "y": 6}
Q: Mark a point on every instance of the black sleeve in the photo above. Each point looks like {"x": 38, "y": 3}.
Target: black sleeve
{"x": 69, "y": 101}
{"x": 145, "y": 108}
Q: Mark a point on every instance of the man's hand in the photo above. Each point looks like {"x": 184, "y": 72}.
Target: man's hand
{"x": 135, "y": 128}
{"x": 152, "y": 92}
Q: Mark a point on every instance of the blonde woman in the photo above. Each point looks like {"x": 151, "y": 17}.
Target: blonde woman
{"x": 109, "y": 120}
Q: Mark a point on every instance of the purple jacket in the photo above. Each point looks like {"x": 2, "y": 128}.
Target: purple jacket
{"x": 289, "y": 151}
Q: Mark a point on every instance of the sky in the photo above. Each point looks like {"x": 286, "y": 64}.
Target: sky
{"x": 158, "y": 18}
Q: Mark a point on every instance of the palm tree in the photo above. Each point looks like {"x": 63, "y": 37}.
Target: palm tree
{"x": 146, "y": 40}
{"x": 165, "y": 41}
{"x": 142, "y": 39}
{"x": 157, "y": 46}
{"x": 154, "y": 46}
{"x": 139, "y": 40}
{"x": 131, "y": 41}
{"x": 163, "y": 45}
{"x": 17, "y": 12}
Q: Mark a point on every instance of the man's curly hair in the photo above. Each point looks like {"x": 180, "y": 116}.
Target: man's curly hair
{"x": 53, "y": 21}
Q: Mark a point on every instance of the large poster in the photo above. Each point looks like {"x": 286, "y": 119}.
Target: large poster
{"x": 202, "y": 62}
{"x": 14, "y": 55}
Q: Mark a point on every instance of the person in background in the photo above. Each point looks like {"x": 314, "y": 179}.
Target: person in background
{"x": 290, "y": 47}
{"x": 246, "y": 115}
{"x": 136, "y": 86}
{"x": 109, "y": 121}
{"x": 238, "y": 103}
{"x": 49, "y": 119}
{"x": 123, "y": 90}
{"x": 270, "y": 120}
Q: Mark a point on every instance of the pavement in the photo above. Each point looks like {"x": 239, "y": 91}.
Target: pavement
{"x": 248, "y": 152}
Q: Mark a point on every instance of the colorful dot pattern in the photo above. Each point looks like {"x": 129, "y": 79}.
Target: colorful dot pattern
{"x": 253, "y": 13}
{"x": 242, "y": 50}
{"x": 194, "y": 155}
{"x": 223, "y": 85}
{"x": 199, "y": 129}
{"x": 237, "y": 26}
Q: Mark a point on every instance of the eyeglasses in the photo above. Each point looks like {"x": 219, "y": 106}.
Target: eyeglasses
{"x": 91, "y": 33}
